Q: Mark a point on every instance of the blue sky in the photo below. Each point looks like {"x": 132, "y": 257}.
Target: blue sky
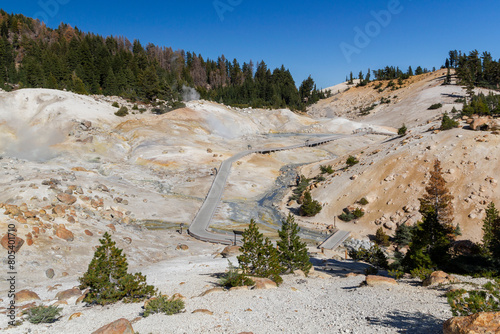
{"x": 308, "y": 37}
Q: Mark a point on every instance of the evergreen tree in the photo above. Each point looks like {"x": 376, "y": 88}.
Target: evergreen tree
{"x": 381, "y": 238}
{"x": 432, "y": 237}
{"x": 292, "y": 252}
{"x": 402, "y": 130}
{"x": 309, "y": 207}
{"x": 108, "y": 279}
{"x": 403, "y": 235}
{"x": 491, "y": 231}
{"x": 259, "y": 257}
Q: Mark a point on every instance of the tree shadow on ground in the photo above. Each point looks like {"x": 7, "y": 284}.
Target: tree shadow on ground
{"x": 410, "y": 322}
{"x": 338, "y": 268}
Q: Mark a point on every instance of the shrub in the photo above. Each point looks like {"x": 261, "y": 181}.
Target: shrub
{"x": 421, "y": 273}
{"x": 347, "y": 217}
{"x": 402, "y": 130}
{"x": 486, "y": 299}
{"x": 163, "y": 304}
{"x": 326, "y": 169}
{"x": 302, "y": 185}
{"x": 116, "y": 105}
{"x": 351, "y": 161}
{"x": 435, "y": 106}
{"x": 447, "y": 123}
{"x": 309, "y": 207}
{"x": 108, "y": 280}
{"x": 371, "y": 271}
{"x": 363, "y": 201}
{"x": 233, "y": 277}
{"x": 43, "y": 314}
{"x": 374, "y": 256}
{"x": 123, "y": 111}
{"x": 135, "y": 107}
{"x": 358, "y": 213}
{"x": 320, "y": 178}
{"x": 397, "y": 274}
{"x": 381, "y": 238}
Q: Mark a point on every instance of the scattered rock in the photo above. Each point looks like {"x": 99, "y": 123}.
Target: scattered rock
{"x": 479, "y": 323}
{"x": 239, "y": 288}
{"x": 230, "y": 251}
{"x": 373, "y": 280}
{"x": 50, "y": 273}
{"x": 87, "y": 232}
{"x": 75, "y": 315}
{"x": 66, "y": 198}
{"x": 182, "y": 247}
{"x": 210, "y": 291}
{"x": 204, "y": 311}
{"x": 26, "y": 296}
{"x": 68, "y": 294}
{"x": 299, "y": 273}
{"x": 120, "y": 326}
{"x": 263, "y": 283}
{"x": 15, "y": 247}
{"x": 64, "y": 233}
{"x": 439, "y": 277}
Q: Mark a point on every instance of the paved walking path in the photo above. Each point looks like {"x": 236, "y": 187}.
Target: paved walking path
{"x": 199, "y": 227}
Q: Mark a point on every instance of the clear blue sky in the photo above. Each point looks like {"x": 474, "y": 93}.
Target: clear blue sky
{"x": 305, "y": 36}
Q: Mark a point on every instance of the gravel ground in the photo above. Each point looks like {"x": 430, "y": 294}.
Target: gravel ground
{"x": 335, "y": 304}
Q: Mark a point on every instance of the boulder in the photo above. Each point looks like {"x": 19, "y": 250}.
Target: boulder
{"x": 66, "y": 198}
{"x": 263, "y": 283}
{"x": 299, "y": 273}
{"x": 26, "y": 296}
{"x": 68, "y": 294}
{"x": 87, "y": 232}
{"x": 16, "y": 246}
{"x": 120, "y": 326}
{"x": 484, "y": 322}
{"x": 439, "y": 277}
{"x": 64, "y": 234}
{"x": 481, "y": 123}
{"x": 230, "y": 251}
{"x": 374, "y": 280}
{"x": 204, "y": 311}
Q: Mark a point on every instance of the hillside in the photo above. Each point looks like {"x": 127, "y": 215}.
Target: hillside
{"x": 392, "y": 174}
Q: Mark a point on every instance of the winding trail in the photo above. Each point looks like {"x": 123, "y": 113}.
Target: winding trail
{"x": 199, "y": 227}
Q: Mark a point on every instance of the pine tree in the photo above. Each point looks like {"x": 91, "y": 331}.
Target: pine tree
{"x": 403, "y": 235}
{"x": 432, "y": 237}
{"x": 381, "y": 238}
{"x": 259, "y": 257}
{"x": 309, "y": 207}
{"x": 491, "y": 230}
{"x": 108, "y": 280}
{"x": 292, "y": 252}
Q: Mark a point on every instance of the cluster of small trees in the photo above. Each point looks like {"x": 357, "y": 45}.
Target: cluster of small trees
{"x": 261, "y": 258}
{"x": 386, "y": 73}
{"x": 474, "y": 69}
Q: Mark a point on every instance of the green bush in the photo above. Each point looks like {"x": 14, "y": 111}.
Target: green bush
{"x": 43, "y": 314}
{"x": 326, "y": 169}
{"x": 363, "y": 201}
{"x": 116, "y": 105}
{"x": 358, "y": 213}
{"x": 163, "y": 304}
{"x": 402, "y": 130}
{"x": 486, "y": 299}
{"x": 397, "y": 274}
{"x": 233, "y": 277}
{"x": 301, "y": 187}
{"x": 347, "y": 217}
{"x": 351, "y": 161}
{"x": 435, "y": 106}
{"x": 135, "y": 107}
{"x": 108, "y": 280}
{"x": 123, "y": 111}
{"x": 447, "y": 123}
{"x": 421, "y": 273}
{"x": 374, "y": 256}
